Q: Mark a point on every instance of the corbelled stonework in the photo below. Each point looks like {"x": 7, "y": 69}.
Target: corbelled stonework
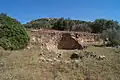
{"x": 53, "y": 39}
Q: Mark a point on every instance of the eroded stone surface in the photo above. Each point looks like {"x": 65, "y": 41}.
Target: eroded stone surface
{"x": 63, "y": 39}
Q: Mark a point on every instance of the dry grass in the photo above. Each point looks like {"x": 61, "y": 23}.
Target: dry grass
{"x": 27, "y": 65}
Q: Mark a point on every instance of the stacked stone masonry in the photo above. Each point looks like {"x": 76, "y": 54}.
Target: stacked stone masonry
{"x": 53, "y": 38}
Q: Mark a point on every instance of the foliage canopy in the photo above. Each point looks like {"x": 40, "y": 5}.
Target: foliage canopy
{"x": 12, "y": 34}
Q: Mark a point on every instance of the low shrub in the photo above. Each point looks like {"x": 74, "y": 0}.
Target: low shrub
{"x": 12, "y": 34}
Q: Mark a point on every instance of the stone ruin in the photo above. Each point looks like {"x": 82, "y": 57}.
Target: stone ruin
{"x": 53, "y": 39}
{"x": 68, "y": 43}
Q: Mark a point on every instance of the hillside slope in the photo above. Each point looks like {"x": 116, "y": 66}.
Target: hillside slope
{"x": 38, "y": 63}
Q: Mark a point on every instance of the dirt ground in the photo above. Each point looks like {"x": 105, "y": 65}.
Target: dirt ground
{"x": 40, "y": 64}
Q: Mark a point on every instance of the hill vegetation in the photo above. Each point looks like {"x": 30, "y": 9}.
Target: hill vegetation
{"x": 36, "y": 62}
{"x": 107, "y": 28}
{"x": 12, "y": 34}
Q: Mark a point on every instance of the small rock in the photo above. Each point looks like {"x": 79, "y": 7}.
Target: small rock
{"x": 52, "y": 63}
{"x": 81, "y": 57}
{"x": 58, "y": 60}
{"x": 76, "y": 61}
{"x": 74, "y": 56}
{"x": 54, "y": 59}
{"x": 40, "y": 54}
{"x": 49, "y": 60}
{"x": 59, "y": 56}
{"x": 93, "y": 55}
{"x": 28, "y": 47}
{"x": 67, "y": 61}
{"x": 101, "y": 57}
{"x": 42, "y": 58}
{"x": 1, "y": 64}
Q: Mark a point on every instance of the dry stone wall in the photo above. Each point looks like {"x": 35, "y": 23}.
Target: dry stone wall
{"x": 53, "y": 39}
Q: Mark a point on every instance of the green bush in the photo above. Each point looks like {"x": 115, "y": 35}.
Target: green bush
{"x": 112, "y": 36}
{"x": 60, "y": 24}
{"x": 12, "y": 34}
